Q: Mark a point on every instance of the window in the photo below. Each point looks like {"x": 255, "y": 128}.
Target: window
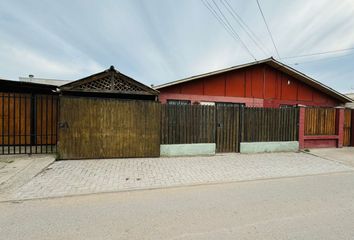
{"x": 287, "y": 106}
{"x": 179, "y": 102}
{"x": 229, "y": 104}
{"x": 207, "y": 103}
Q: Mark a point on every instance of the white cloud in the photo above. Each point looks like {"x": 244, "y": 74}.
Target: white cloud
{"x": 22, "y": 61}
{"x": 156, "y": 41}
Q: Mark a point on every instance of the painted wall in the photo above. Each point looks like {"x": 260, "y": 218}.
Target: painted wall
{"x": 259, "y": 86}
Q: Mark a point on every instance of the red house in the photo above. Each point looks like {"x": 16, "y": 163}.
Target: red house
{"x": 266, "y": 83}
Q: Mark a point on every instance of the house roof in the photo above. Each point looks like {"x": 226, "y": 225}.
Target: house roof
{"x": 18, "y": 86}
{"x": 277, "y": 65}
{"x": 45, "y": 81}
{"x": 109, "y": 81}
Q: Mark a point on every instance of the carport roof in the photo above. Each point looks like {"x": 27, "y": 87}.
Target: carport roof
{"x": 26, "y": 87}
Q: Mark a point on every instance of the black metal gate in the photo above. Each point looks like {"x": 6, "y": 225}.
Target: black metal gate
{"x": 28, "y": 123}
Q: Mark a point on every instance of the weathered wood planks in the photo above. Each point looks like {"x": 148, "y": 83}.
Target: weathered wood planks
{"x": 108, "y": 128}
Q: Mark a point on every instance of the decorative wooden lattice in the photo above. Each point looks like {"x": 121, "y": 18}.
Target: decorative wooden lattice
{"x": 111, "y": 83}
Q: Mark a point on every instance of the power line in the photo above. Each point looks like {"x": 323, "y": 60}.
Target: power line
{"x": 225, "y": 23}
{"x": 233, "y": 30}
{"x": 265, "y": 22}
{"x": 220, "y": 20}
{"x": 319, "y": 53}
{"x": 322, "y": 59}
{"x": 207, "y": 5}
{"x": 244, "y": 26}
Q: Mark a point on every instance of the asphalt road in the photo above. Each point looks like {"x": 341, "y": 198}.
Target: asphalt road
{"x": 312, "y": 207}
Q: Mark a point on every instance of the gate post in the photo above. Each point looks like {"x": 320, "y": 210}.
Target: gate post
{"x": 352, "y": 129}
{"x": 301, "y": 126}
{"x": 340, "y": 126}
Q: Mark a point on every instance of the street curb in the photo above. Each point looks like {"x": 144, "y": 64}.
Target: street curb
{"x": 175, "y": 187}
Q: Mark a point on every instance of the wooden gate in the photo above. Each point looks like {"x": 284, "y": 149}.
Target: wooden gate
{"x": 186, "y": 124}
{"x": 347, "y": 127}
{"x": 228, "y": 128}
{"x": 108, "y": 128}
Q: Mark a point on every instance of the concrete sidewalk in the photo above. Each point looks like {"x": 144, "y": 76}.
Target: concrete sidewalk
{"x": 342, "y": 155}
{"x": 66, "y": 178}
{"x": 17, "y": 170}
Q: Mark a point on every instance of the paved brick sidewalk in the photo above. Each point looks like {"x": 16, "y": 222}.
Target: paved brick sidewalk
{"x": 65, "y": 178}
{"x": 19, "y": 170}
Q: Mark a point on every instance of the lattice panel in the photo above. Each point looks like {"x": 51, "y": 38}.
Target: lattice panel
{"x": 106, "y": 84}
{"x": 124, "y": 86}
{"x": 102, "y": 84}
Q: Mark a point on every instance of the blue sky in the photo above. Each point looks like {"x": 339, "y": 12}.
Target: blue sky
{"x": 156, "y": 41}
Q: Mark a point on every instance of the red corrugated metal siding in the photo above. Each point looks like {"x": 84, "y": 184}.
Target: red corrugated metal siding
{"x": 271, "y": 84}
{"x": 193, "y": 87}
{"x": 235, "y": 84}
{"x": 215, "y": 86}
{"x": 288, "y": 88}
{"x": 255, "y": 82}
{"x": 304, "y": 93}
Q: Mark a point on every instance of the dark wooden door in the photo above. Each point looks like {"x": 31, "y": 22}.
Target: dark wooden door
{"x": 108, "y": 128}
{"x": 347, "y": 127}
{"x": 227, "y": 127}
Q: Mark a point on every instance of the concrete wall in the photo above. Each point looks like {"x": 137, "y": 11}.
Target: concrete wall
{"x": 259, "y": 147}
{"x": 195, "y": 149}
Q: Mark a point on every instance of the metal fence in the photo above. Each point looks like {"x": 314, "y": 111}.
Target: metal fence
{"x": 28, "y": 123}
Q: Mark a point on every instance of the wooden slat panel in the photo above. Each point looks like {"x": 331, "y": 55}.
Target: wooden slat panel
{"x": 222, "y": 125}
{"x": 14, "y": 119}
{"x": 267, "y": 124}
{"x": 187, "y": 124}
{"x": 108, "y": 128}
{"x": 46, "y": 119}
{"x": 320, "y": 121}
{"x": 347, "y": 127}
{"x": 228, "y": 128}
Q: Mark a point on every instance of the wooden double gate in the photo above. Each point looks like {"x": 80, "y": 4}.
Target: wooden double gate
{"x": 227, "y": 125}
{"x": 108, "y": 128}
